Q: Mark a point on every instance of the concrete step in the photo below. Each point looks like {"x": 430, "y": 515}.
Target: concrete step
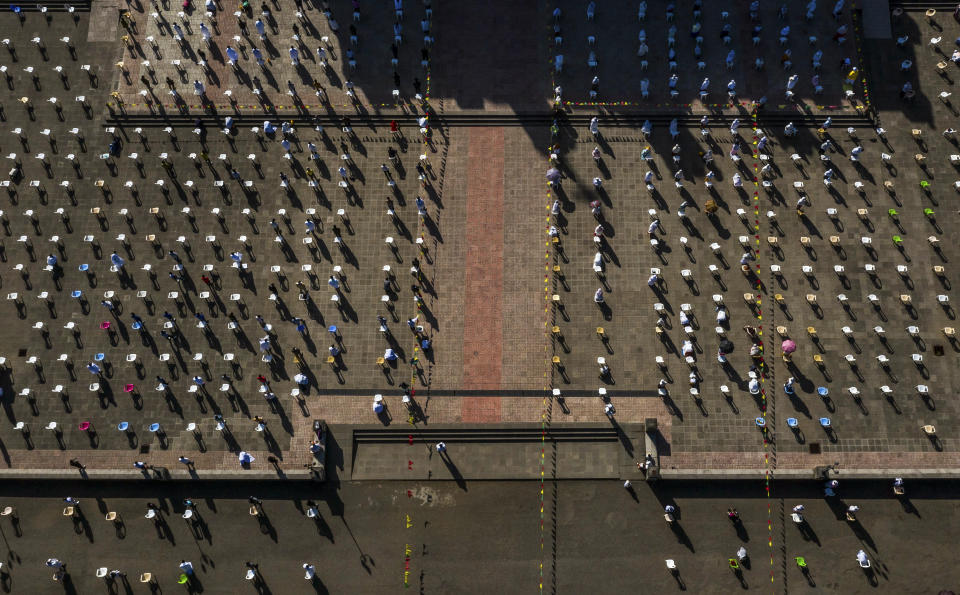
{"x": 912, "y": 6}
{"x": 406, "y": 121}
{"x": 78, "y": 6}
{"x": 489, "y": 434}
{"x": 503, "y": 451}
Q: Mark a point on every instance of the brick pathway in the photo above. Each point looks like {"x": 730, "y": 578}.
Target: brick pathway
{"x": 483, "y": 307}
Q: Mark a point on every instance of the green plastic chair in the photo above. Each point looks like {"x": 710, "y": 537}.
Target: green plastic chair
{"x": 801, "y": 561}
{"x": 928, "y": 212}
{"x": 183, "y": 579}
{"x": 897, "y": 240}
{"x": 893, "y": 213}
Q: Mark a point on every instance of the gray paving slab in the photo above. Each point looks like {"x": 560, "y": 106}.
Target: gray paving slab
{"x": 596, "y": 535}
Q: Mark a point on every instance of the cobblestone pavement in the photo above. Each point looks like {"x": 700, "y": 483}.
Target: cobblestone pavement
{"x": 482, "y": 260}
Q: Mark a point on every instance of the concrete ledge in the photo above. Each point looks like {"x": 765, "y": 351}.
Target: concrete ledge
{"x": 170, "y": 475}
{"x": 304, "y": 475}
{"x": 343, "y": 430}
{"x": 797, "y": 474}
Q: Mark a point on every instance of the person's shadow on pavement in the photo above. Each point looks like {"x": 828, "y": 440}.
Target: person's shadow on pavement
{"x": 454, "y": 471}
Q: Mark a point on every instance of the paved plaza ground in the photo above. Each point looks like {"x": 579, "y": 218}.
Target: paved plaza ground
{"x": 487, "y": 270}
{"x": 482, "y": 536}
{"x": 157, "y": 259}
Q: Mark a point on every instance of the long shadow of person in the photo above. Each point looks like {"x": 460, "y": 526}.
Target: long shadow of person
{"x": 807, "y": 532}
{"x": 454, "y": 471}
{"x": 68, "y": 587}
{"x": 318, "y": 585}
{"x": 862, "y": 534}
{"x": 741, "y": 531}
{"x": 682, "y": 536}
{"x": 908, "y": 506}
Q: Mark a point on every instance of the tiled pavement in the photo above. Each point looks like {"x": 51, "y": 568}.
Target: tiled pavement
{"x": 485, "y": 263}
{"x": 372, "y": 74}
{"x": 729, "y": 427}
{"x": 616, "y": 31}
{"x": 499, "y": 62}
